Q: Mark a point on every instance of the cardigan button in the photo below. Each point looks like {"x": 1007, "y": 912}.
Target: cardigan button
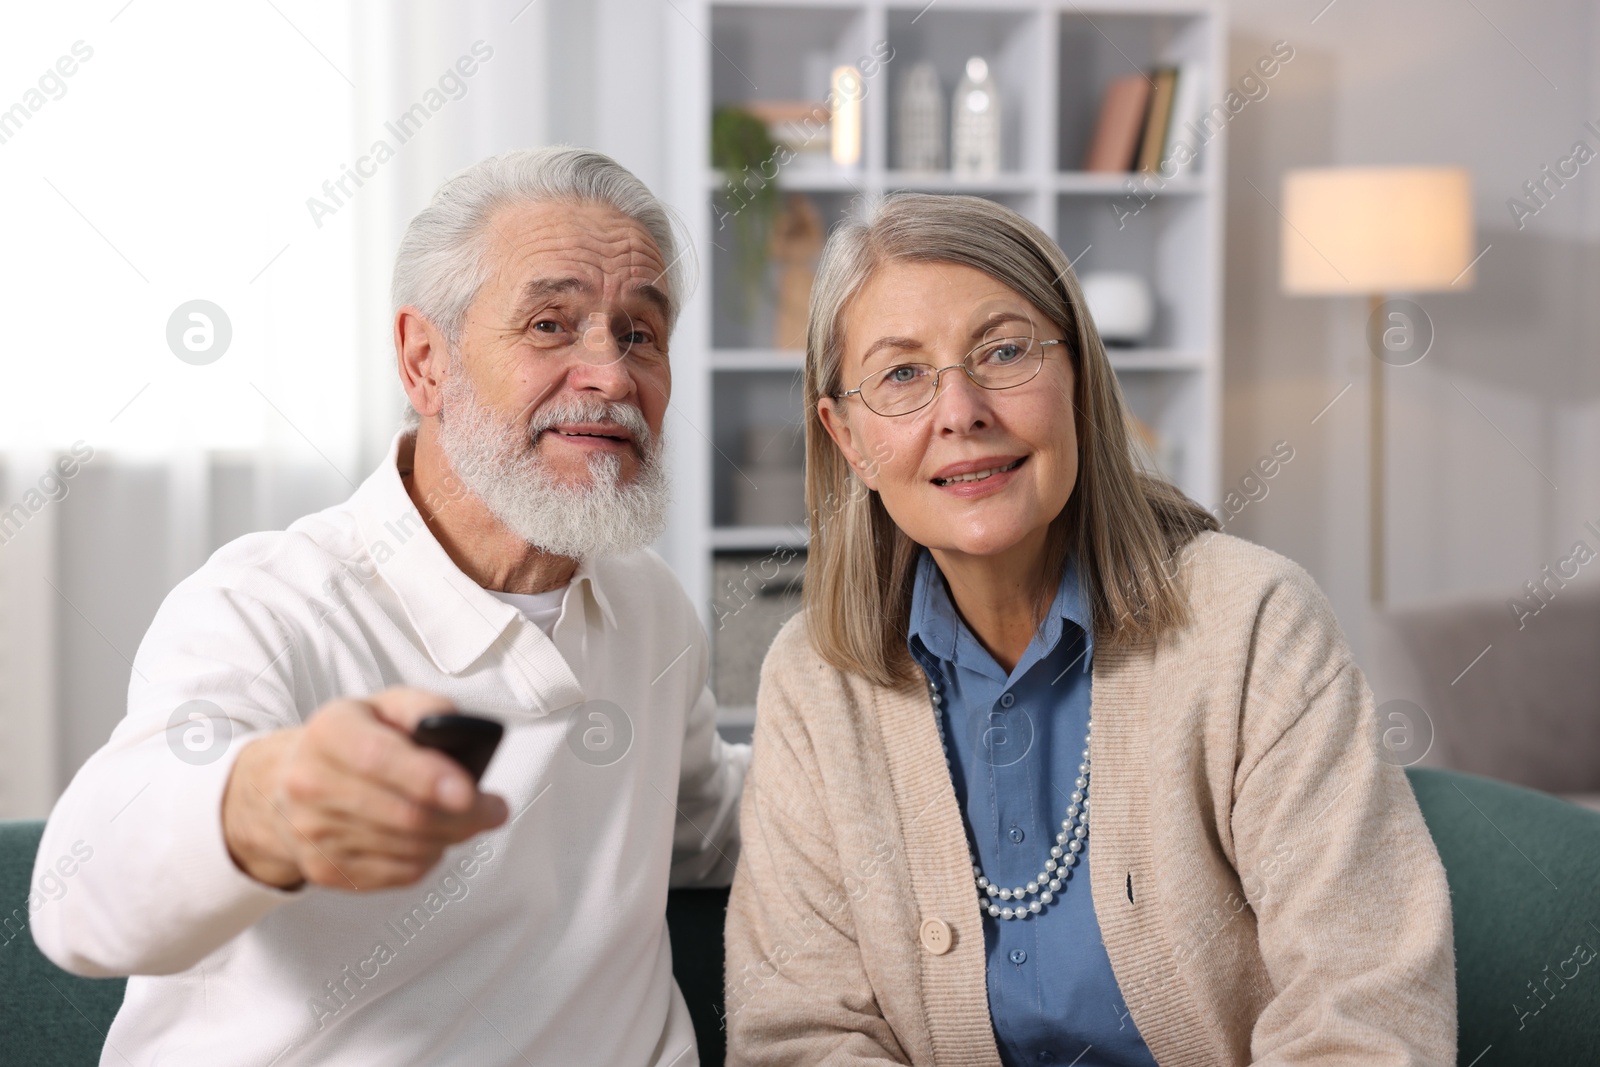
{"x": 936, "y": 937}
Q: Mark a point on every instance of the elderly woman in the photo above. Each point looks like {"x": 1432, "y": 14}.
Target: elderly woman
{"x": 943, "y": 862}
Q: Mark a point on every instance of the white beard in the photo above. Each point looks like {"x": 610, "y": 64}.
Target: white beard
{"x": 499, "y": 463}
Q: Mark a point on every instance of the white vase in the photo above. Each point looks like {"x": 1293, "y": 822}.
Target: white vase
{"x": 919, "y": 119}
{"x": 975, "y": 123}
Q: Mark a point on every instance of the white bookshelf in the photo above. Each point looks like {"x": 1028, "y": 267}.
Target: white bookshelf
{"x": 1052, "y": 60}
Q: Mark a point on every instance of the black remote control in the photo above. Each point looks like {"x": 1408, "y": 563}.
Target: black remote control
{"x": 470, "y": 740}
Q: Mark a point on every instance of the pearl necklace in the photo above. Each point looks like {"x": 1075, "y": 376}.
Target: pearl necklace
{"x": 1070, "y": 842}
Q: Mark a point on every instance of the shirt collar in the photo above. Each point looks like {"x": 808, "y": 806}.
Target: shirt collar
{"x": 456, "y": 618}
{"x": 586, "y": 578}
{"x": 936, "y": 626}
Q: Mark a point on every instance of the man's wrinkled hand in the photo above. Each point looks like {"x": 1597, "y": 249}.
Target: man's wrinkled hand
{"x": 348, "y": 801}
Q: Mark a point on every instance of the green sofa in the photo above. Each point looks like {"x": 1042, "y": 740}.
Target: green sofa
{"x": 1524, "y": 871}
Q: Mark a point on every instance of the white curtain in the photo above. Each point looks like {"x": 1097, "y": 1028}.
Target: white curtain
{"x": 157, "y": 153}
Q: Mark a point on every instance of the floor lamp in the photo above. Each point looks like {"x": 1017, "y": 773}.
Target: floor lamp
{"x": 1377, "y": 231}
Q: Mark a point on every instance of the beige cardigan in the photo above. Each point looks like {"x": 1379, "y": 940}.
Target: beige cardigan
{"x": 1265, "y": 886}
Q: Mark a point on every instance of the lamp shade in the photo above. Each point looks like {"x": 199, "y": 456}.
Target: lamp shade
{"x": 1377, "y": 230}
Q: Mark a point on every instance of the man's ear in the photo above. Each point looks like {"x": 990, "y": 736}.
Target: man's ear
{"x": 832, "y": 414}
{"x": 423, "y": 357}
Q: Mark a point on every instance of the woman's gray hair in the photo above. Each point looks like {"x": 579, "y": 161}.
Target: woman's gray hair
{"x": 441, "y": 263}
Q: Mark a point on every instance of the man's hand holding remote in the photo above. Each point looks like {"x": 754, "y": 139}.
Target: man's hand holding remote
{"x": 349, "y": 801}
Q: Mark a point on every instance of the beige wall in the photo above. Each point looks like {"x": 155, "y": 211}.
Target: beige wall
{"x": 1507, "y": 398}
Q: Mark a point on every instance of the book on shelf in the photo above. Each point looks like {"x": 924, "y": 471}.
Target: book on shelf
{"x": 1143, "y": 117}
{"x": 1188, "y": 104}
{"x": 1116, "y": 134}
{"x": 1157, "y": 117}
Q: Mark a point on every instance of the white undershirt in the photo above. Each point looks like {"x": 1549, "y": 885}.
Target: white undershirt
{"x": 542, "y": 609}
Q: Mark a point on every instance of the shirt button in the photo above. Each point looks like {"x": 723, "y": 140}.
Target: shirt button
{"x": 936, "y": 936}
{"x": 1018, "y": 956}
{"x": 1007, "y": 700}
{"x": 1016, "y": 835}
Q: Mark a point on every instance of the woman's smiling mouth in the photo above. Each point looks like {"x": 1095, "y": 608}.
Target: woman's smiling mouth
{"x": 984, "y": 474}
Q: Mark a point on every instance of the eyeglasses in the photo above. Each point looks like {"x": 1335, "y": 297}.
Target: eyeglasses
{"x": 1000, "y": 363}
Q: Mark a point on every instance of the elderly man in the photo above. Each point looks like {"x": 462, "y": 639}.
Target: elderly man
{"x": 287, "y": 876}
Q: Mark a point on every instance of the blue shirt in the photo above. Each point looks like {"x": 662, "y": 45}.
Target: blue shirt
{"x": 1015, "y": 745}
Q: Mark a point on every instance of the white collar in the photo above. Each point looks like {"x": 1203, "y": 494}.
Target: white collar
{"x": 414, "y": 564}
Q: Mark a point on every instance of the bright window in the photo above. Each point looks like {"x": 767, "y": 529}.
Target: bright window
{"x": 173, "y": 163}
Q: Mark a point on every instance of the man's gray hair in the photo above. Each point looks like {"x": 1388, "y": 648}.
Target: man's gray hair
{"x": 441, "y": 263}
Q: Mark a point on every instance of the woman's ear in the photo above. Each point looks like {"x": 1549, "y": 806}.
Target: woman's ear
{"x": 831, "y": 413}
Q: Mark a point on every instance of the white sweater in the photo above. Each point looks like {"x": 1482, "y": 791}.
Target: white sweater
{"x": 542, "y": 942}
